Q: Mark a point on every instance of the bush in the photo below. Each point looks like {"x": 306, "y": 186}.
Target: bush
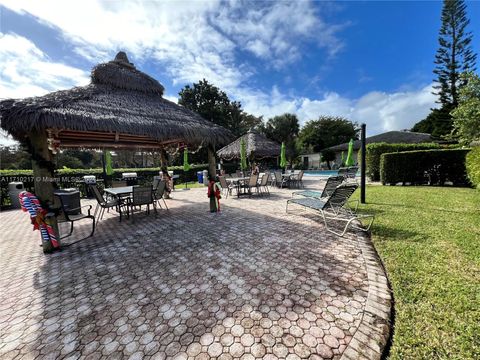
{"x": 375, "y": 150}
{"x": 473, "y": 166}
{"x": 433, "y": 167}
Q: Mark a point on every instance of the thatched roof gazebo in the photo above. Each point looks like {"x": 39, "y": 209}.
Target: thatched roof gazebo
{"x": 258, "y": 147}
{"x": 122, "y": 108}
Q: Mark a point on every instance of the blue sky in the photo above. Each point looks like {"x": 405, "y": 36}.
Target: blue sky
{"x": 371, "y": 62}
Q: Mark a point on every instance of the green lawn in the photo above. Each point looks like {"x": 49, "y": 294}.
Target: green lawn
{"x": 190, "y": 185}
{"x": 429, "y": 241}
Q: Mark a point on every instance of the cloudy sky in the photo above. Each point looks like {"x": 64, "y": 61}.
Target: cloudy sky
{"x": 368, "y": 61}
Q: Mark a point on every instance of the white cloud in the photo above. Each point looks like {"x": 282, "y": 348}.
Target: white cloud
{"x": 379, "y": 110}
{"x": 192, "y": 39}
{"x": 26, "y": 71}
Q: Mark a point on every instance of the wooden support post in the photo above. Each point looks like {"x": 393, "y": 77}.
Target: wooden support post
{"x": 211, "y": 161}
{"x": 163, "y": 159}
{"x": 43, "y": 177}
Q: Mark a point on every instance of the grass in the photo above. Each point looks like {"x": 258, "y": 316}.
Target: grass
{"x": 429, "y": 241}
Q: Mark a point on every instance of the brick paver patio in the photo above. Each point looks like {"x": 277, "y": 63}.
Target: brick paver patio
{"x": 251, "y": 282}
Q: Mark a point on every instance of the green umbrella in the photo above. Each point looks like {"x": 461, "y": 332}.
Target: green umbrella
{"x": 343, "y": 158}
{"x": 349, "y": 161}
{"x": 108, "y": 164}
{"x": 283, "y": 158}
{"x": 243, "y": 154}
{"x": 186, "y": 165}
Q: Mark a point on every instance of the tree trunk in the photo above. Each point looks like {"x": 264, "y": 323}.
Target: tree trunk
{"x": 43, "y": 178}
{"x": 211, "y": 161}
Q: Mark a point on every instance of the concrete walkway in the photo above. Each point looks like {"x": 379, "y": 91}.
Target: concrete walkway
{"x": 250, "y": 282}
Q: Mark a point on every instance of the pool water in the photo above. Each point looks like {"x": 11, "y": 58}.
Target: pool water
{"x": 326, "y": 173}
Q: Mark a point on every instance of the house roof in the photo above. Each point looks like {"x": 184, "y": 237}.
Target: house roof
{"x": 257, "y": 145}
{"x": 121, "y": 107}
{"x": 390, "y": 137}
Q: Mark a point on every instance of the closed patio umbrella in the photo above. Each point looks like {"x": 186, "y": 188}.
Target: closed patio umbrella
{"x": 283, "y": 158}
{"x": 350, "y": 161}
{"x": 186, "y": 165}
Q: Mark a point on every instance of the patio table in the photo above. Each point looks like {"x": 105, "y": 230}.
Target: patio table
{"x": 120, "y": 192}
{"x": 237, "y": 181}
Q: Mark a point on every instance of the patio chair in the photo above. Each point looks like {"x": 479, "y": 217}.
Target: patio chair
{"x": 103, "y": 204}
{"x": 351, "y": 174}
{"x": 280, "y": 180}
{"x": 263, "y": 183}
{"x": 251, "y": 184}
{"x": 142, "y": 195}
{"x": 333, "y": 208}
{"x": 75, "y": 214}
{"x": 296, "y": 179}
{"x": 156, "y": 181}
{"x": 158, "y": 193}
{"x": 330, "y": 186}
{"x": 238, "y": 173}
{"x": 226, "y": 186}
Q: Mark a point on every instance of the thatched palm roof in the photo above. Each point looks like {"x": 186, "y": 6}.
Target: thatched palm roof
{"x": 390, "y": 137}
{"x": 257, "y": 145}
{"x": 122, "y": 106}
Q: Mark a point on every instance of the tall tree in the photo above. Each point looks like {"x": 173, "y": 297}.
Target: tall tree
{"x": 327, "y": 131}
{"x": 466, "y": 116}
{"x": 214, "y": 105}
{"x": 454, "y": 56}
{"x": 284, "y": 128}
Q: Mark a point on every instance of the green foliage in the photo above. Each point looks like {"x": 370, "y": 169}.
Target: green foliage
{"x": 13, "y": 157}
{"x": 284, "y": 128}
{"x": 454, "y": 54}
{"x": 434, "y": 167}
{"x": 214, "y": 105}
{"x": 427, "y": 238}
{"x": 466, "y": 117}
{"x": 327, "y": 131}
{"x": 473, "y": 166}
{"x": 438, "y": 123}
{"x": 327, "y": 156}
{"x": 375, "y": 150}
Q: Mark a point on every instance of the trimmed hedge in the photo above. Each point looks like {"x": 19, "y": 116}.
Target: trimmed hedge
{"x": 473, "y": 166}
{"x": 434, "y": 167}
{"x": 375, "y": 151}
{"x": 66, "y": 178}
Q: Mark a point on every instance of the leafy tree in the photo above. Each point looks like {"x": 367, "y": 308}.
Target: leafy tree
{"x": 438, "y": 123}
{"x": 214, "y": 105}
{"x": 327, "y": 131}
{"x": 453, "y": 57}
{"x": 284, "y": 128}
{"x": 466, "y": 117}
{"x": 14, "y": 157}
{"x": 327, "y": 156}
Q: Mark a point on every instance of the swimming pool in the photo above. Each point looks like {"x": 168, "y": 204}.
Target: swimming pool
{"x": 323, "y": 173}
{"x": 326, "y": 173}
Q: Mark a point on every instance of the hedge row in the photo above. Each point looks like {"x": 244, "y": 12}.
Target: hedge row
{"x": 434, "y": 167}
{"x": 67, "y": 178}
{"x": 375, "y": 151}
{"x": 473, "y": 166}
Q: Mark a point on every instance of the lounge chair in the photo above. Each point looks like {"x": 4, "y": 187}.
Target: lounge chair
{"x": 333, "y": 208}
{"x": 330, "y": 186}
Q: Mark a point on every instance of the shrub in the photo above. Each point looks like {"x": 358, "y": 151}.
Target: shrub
{"x": 375, "y": 150}
{"x": 473, "y": 166}
{"x": 434, "y": 167}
